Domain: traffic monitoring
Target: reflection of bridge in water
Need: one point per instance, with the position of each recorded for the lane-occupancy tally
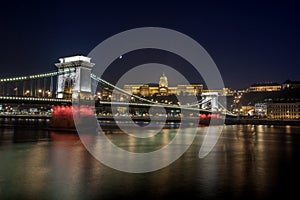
(73, 81)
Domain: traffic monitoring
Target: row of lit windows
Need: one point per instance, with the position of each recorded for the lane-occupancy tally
(284, 110)
(276, 114)
(290, 106)
(286, 117)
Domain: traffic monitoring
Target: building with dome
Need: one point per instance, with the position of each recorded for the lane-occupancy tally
(163, 81)
(163, 85)
(163, 88)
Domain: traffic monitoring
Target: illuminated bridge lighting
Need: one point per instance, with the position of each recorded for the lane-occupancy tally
(36, 76)
(35, 99)
(174, 106)
(195, 106)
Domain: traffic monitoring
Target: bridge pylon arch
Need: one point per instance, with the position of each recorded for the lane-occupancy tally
(212, 99)
(74, 79)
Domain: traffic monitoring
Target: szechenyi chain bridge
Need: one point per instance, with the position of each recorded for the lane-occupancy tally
(73, 80)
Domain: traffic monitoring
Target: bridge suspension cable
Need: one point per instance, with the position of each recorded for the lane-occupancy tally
(226, 111)
(35, 82)
(96, 78)
(201, 102)
(35, 76)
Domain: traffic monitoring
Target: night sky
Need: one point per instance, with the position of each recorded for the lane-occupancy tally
(249, 42)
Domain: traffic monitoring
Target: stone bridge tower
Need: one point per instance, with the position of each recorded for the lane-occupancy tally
(74, 80)
(211, 101)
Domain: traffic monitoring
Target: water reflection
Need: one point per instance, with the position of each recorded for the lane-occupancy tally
(248, 162)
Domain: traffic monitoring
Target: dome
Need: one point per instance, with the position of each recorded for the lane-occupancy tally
(163, 81)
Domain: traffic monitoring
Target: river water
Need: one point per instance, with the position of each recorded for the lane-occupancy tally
(248, 162)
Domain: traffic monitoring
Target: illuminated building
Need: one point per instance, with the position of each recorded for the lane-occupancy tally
(284, 110)
(260, 109)
(163, 89)
(221, 92)
(163, 85)
(264, 87)
(291, 84)
(247, 110)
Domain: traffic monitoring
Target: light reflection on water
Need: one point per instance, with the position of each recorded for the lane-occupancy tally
(248, 162)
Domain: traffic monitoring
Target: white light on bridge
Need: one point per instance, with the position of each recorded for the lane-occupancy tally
(74, 58)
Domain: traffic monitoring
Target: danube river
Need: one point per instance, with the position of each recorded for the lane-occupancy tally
(248, 162)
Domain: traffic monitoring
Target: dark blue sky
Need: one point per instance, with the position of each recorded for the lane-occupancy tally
(250, 42)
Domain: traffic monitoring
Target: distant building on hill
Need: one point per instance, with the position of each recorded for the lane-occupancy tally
(288, 84)
(163, 88)
(264, 87)
(282, 100)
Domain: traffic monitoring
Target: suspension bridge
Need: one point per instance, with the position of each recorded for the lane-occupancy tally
(73, 81)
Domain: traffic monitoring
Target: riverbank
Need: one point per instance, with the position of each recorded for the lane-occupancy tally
(32, 121)
(25, 116)
(281, 122)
